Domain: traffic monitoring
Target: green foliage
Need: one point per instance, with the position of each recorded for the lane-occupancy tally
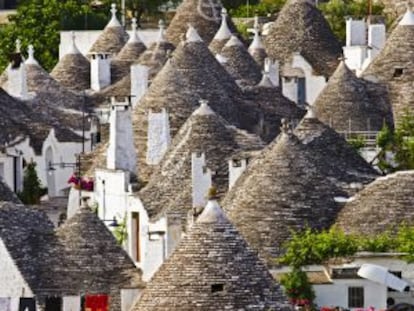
(400, 143)
(357, 142)
(263, 8)
(32, 190)
(336, 11)
(297, 287)
(120, 232)
(313, 247)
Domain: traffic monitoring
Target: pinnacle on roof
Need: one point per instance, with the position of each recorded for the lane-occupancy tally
(192, 35)
(204, 15)
(203, 132)
(132, 50)
(224, 32)
(256, 48)
(113, 37)
(222, 35)
(213, 268)
(351, 103)
(31, 59)
(134, 37)
(311, 37)
(73, 48)
(234, 41)
(383, 205)
(161, 33)
(408, 18)
(266, 82)
(114, 22)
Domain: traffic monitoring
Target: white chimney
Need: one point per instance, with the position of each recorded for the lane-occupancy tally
(356, 32)
(121, 153)
(376, 39)
(139, 82)
(100, 70)
(16, 84)
(159, 136)
(201, 179)
(272, 68)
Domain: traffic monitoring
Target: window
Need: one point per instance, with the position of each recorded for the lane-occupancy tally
(398, 72)
(397, 274)
(217, 288)
(355, 297)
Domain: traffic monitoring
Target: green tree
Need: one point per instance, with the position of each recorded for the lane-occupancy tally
(261, 8)
(399, 143)
(297, 287)
(32, 190)
(336, 12)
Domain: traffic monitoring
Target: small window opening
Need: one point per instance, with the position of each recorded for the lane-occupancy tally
(217, 288)
(398, 72)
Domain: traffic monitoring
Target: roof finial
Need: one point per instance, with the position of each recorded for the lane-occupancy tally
(234, 41)
(161, 35)
(134, 36)
(31, 60)
(114, 22)
(311, 112)
(266, 82)
(204, 108)
(224, 32)
(285, 128)
(18, 45)
(73, 49)
(192, 35)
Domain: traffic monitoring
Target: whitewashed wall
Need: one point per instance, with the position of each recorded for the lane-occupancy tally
(314, 84)
(85, 39)
(12, 283)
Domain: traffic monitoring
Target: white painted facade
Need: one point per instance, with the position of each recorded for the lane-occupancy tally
(11, 168)
(85, 39)
(159, 137)
(314, 84)
(55, 153)
(272, 68)
(12, 283)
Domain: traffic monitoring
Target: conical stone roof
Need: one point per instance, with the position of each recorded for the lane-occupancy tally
(301, 27)
(333, 156)
(73, 70)
(397, 53)
(203, 15)
(134, 47)
(239, 63)
(273, 106)
(113, 37)
(383, 205)
(204, 132)
(281, 190)
(190, 75)
(97, 263)
(213, 268)
(348, 103)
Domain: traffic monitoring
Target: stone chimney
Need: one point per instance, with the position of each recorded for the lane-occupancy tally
(201, 179)
(16, 74)
(121, 154)
(272, 68)
(159, 137)
(139, 82)
(100, 70)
